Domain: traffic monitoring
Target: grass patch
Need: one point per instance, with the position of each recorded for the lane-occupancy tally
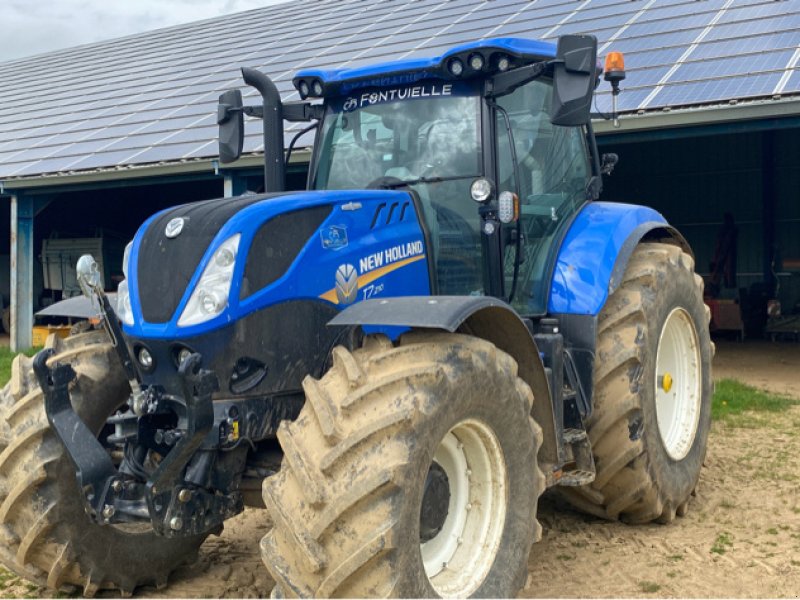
(675, 557)
(649, 587)
(565, 557)
(723, 542)
(6, 358)
(732, 399)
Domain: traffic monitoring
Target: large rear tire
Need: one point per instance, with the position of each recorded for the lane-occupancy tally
(652, 394)
(45, 533)
(347, 502)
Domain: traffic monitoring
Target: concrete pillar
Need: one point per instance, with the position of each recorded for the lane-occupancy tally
(22, 213)
(234, 185)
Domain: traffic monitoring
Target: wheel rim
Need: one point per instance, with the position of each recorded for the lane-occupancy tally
(678, 377)
(458, 559)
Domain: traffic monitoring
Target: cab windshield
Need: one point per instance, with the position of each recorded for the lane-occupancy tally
(423, 136)
(425, 130)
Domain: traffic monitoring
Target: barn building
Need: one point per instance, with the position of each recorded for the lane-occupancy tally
(96, 138)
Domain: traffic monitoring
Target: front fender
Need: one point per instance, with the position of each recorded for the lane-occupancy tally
(595, 252)
(481, 316)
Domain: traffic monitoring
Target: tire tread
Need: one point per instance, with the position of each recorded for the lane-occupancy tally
(354, 469)
(624, 488)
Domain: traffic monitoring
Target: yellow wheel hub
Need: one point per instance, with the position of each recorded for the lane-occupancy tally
(665, 382)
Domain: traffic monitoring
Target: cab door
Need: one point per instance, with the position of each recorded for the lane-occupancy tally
(551, 177)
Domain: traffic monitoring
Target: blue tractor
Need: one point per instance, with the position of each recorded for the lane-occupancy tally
(396, 363)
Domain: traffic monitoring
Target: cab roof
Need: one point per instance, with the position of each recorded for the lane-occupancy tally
(517, 51)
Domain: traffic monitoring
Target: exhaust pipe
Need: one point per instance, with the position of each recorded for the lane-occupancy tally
(272, 119)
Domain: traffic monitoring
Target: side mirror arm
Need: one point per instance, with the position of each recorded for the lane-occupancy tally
(505, 83)
(302, 111)
(225, 112)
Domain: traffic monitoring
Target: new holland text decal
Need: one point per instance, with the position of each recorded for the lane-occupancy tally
(371, 267)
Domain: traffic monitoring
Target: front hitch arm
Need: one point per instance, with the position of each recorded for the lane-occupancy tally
(174, 506)
(94, 469)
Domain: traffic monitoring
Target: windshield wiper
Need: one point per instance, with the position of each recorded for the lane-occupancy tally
(392, 183)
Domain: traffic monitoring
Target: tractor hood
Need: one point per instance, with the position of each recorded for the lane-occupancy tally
(198, 267)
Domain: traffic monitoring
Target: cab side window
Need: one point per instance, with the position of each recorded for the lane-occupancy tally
(553, 170)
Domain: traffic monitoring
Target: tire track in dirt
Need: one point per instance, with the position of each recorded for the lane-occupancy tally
(228, 566)
(741, 537)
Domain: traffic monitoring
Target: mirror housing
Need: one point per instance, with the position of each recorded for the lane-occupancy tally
(574, 78)
(230, 118)
(88, 274)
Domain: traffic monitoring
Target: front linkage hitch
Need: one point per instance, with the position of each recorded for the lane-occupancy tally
(174, 507)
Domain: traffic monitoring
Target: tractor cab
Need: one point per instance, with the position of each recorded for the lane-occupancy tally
(491, 139)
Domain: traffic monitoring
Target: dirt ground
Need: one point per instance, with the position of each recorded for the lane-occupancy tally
(741, 537)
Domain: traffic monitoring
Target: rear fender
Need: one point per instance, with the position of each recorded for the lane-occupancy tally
(591, 265)
(485, 317)
(592, 259)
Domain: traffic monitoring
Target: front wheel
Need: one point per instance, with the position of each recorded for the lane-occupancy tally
(652, 395)
(410, 472)
(46, 535)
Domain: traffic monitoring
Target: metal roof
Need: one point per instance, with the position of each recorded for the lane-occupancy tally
(150, 99)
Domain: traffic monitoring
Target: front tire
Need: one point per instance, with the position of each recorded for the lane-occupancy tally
(46, 535)
(347, 502)
(652, 395)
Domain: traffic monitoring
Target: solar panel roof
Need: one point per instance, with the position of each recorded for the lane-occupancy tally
(151, 98)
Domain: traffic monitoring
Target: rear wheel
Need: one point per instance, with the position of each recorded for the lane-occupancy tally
(46, 535)
(652, 406)
(410, 472)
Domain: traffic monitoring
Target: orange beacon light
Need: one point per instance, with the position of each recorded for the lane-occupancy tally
(614, 72)
(615, 67)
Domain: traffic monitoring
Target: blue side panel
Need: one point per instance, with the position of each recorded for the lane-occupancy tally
(374, 250)
(588, 254)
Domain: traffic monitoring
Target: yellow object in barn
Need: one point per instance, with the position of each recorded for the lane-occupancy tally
(41, 332)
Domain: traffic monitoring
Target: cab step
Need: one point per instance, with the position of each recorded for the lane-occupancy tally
(583, 470)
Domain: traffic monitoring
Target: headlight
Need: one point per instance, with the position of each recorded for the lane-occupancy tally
(481, 190)
(126, 256)
(124, 311)
(210, 296)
